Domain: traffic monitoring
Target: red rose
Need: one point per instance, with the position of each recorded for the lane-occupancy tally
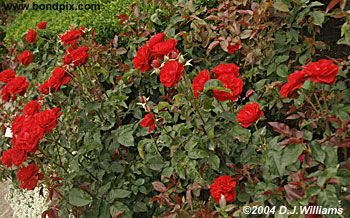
(31, 36)
(164, 48)
(28, 138)
(7, 75)
(6, 158)
(148, 121)
(16, 86)
(223, 187)
(142, 59)
(171, 73)
(25, 58)
(322, 71)
(295, 81)
(231, 82)
(48, 119)
(156, 39)
(58, 78)
(232, 48)
(249, 114)
(71, 37)
(29, 176)
(32, 108)
(80, 56)
(199, 82)
(67, 59)
(20, 121)
(226, 69)
(42, 25)
(13, 156)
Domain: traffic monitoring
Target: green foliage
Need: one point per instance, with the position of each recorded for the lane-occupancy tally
(104, 21)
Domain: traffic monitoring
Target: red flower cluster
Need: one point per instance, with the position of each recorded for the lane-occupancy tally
(72, 36)
(227, 74)
(31, 36)
(223, 187)
(77, 57)
(58, 78)
(323, 71)
(152, 54)
(249, 114)
(26, 57)
(148, 121)
(154, 51)
(29, 176)
(27, 130)
(14, 85)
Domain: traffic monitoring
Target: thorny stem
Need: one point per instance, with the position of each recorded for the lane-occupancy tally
(45, 155)
(262, 141)
(310, 102)
(168, 133)
(222, 106)
(190, 93)
(318, 102)
(156, 146)
(324, 98)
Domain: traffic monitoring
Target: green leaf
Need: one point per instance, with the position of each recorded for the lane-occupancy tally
(282, 70)
(124, 135)
(318, 18)
(214, 162)
(281, 59)
(290, 154)
(281, 6)
(214, 84)
(307, 135)
(328, 198)
(140, 207)
(278, 165)
(78, 198)
(119, 193)
(156, 164)
(103, 189)
(317, 152)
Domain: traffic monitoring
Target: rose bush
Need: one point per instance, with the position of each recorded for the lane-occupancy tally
(195, 112)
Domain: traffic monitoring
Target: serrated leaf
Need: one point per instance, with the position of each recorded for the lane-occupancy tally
(125, 135)
(78, 198)
(214, 84)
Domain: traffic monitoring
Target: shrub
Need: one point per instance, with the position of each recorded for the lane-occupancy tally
(104, 21)
(223, 108)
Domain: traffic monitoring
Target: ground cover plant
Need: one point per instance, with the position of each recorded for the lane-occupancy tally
(194, 112)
